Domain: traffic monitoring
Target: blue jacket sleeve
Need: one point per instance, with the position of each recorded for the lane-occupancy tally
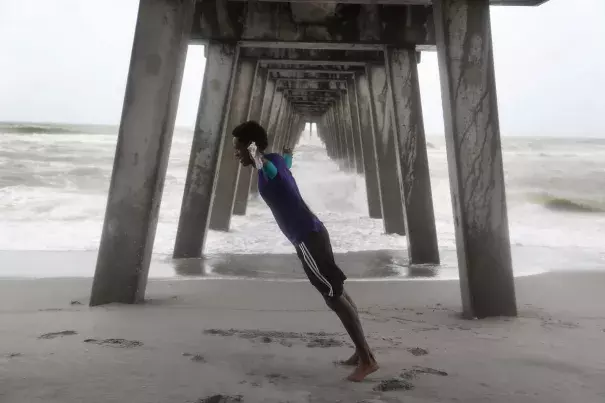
(288, 159)
(270, 169)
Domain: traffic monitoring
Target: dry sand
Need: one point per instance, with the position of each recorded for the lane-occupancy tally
(261, 341)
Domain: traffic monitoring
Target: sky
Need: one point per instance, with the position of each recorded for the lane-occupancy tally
(67, 61)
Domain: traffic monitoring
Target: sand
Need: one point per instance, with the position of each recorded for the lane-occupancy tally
(220, 341)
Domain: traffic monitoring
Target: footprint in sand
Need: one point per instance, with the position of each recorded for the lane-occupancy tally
(195, 357)
(324, 343)
(392, 384)
(221, 399)
(411, 373)
(14, 355)
(54, 335)
(417, 351)
(275, 378)
(119, 343)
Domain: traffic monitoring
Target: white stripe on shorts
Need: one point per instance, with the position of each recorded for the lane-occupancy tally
(313, 266)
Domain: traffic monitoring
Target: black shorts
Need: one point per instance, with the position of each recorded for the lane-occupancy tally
(315, 254)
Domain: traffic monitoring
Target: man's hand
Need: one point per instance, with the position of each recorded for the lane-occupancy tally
(255, 156)
(286, 150)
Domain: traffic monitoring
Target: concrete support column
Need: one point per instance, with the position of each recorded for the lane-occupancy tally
(208, 141)
(254, 113)
(290, 128)
(322, 133)
(416, 182)
(300, 126)
(276, 109)
(387, 151)
(282, 134)
(368, 143)
(229, 167)
(148, 114)
(355, 129)
(341, 153)
(264, 122)
(292, 131)
(267, 103)
(328, 137)
(342, 130)
(347, 126)
(334, 135)
(472, 132)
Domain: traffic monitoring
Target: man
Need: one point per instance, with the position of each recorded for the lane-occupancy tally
(307, 233)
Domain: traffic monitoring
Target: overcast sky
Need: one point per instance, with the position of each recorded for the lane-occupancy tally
(67, 61)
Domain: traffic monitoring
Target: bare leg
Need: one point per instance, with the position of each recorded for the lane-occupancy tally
(350, 320)
(354, 359)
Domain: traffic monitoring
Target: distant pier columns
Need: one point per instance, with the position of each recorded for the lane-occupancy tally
(465, 54)
(347, 126)
(416, 182)
(148, 114)
(229, 166)
(355, 128)
(368, 143)
(387, 151)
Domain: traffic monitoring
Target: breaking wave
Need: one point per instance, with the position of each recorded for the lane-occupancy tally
(570, 205)
(54, 128)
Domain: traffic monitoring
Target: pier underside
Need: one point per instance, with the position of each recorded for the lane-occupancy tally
(349, 68)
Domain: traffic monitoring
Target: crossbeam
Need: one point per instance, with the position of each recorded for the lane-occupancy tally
(335, 26)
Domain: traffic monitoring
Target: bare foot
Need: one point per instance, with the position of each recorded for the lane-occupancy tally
(351, 362)
(362, 371)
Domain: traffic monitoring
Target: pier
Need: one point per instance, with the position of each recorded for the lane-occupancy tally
(349, 68)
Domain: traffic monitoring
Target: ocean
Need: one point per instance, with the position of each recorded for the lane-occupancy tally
(54, 181)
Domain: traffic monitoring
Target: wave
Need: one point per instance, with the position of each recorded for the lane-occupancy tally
(564, 204)
(54, 128)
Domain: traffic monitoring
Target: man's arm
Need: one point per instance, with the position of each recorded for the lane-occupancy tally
(269, 168)
(287, 157)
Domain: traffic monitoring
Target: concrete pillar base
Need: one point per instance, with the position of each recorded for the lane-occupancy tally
(208, 139)
(148, 115)
(472, 132)
(416, 181)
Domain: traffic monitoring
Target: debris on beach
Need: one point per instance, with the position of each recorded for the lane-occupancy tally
(119, 343)
(392, 384)
(54, 335)
(195, 357)
(75, 302)
(411, 373)
(417, 351)
(312, 339)
(324, 343)
(275, 378)
(222, 399)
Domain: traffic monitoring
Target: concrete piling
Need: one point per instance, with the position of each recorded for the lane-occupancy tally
(368, 143)
(356, 80)
(148, 114)
(208, 142)
(416, 182)
(229, 167)
(355, 125)
(387, 151)
(254, 113)
(472, 133)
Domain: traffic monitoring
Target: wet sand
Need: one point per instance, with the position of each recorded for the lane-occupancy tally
(212, 341)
